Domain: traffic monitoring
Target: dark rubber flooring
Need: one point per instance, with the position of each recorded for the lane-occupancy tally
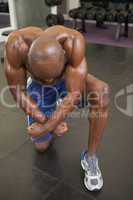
(56, 175)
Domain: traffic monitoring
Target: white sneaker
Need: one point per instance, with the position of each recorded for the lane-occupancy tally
(93, 177)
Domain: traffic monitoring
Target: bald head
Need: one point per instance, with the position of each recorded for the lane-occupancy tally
(46, 58)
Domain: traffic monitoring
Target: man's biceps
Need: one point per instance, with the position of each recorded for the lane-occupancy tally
(79, 63)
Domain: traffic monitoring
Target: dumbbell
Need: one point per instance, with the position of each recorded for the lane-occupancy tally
(86, 4)
(53, 19)
(78, 13)
(98, 4)
(121, 16)
(91, 13)
(100, 15)
(111, 15)
(73, 13)
(81, 14)
(53, 2)
(130, 13)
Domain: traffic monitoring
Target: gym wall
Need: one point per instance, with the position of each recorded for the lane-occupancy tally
(30, 12)
(72, 4)
(68, 5)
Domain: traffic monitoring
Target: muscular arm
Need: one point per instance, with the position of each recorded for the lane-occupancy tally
(75, 75)
(16, 77)
(75, 79)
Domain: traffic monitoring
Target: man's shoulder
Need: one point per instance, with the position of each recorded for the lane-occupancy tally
(20, 33)
(12, 38)
(59, 29)
(13, 47)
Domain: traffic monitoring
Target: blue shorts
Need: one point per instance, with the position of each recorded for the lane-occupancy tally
(46, 98)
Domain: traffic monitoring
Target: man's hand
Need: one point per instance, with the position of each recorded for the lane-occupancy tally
(61, 129)
(36, 129)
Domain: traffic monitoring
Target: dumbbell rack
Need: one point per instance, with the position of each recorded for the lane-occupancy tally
(105, 6)
(84, 7)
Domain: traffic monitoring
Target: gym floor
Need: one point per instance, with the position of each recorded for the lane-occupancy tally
(56, 175)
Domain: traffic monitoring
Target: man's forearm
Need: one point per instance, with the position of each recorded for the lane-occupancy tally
(27, 104)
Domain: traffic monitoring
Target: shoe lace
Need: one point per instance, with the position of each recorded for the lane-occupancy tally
(93, 166)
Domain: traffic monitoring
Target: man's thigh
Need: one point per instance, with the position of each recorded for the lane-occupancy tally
(93, 83)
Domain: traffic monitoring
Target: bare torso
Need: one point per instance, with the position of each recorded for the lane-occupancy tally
(17, 65)
(22, 40)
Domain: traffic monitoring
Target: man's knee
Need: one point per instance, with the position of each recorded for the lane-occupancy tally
(42, 147)
(99, 94)
(36, 129)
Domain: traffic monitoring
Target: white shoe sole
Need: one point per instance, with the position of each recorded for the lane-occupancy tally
(92, 189)
(85, 183)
